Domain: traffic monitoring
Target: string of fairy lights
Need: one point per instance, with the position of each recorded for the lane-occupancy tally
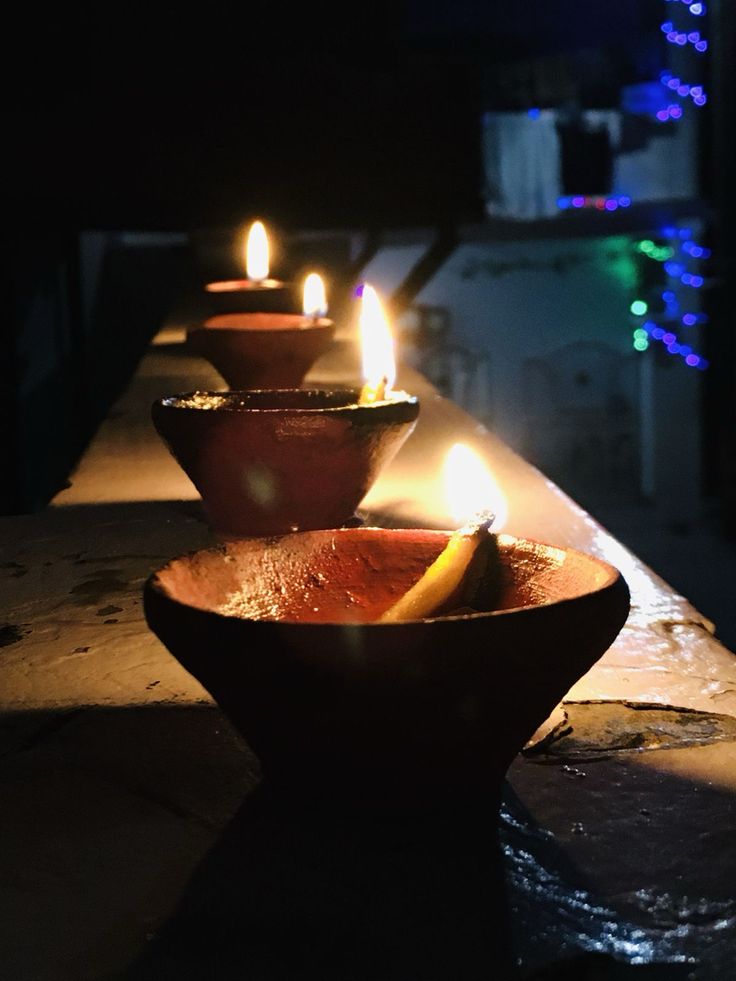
(677, 88)
(675, 249)
(600, 202)
(678, 253)
(671, 324)
(666, 317)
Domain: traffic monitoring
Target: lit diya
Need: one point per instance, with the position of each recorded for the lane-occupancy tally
(279, 460)
(387, 666)
(259, 291)
(267, 350)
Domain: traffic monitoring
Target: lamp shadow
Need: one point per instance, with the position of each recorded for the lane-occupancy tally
(296, 889)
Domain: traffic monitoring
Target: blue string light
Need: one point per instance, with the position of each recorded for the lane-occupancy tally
(670, 342)
(650, 330)
(672, 111)
(695, 250)
(698, 9)
(681, 38)
(688, 279)
(669, 231)
(674, 269)
(599, 202)
(691, 319)
(684, 90)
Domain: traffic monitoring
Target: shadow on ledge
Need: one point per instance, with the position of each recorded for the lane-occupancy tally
(293, 891)
(106, 812)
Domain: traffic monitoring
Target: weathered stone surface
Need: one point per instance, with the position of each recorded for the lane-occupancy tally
(118, 775)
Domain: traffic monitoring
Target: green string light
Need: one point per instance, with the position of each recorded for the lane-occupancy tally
(640, 339)
(660, 253)
(639, 308)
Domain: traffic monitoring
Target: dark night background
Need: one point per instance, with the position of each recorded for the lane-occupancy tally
(178, 118)
(157, 117)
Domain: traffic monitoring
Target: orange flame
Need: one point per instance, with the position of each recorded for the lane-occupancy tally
(377, 344)
(256, 252)
(470, 487)
(315, 302)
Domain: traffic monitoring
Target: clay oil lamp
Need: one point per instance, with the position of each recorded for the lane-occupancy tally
(266, 350)
(388, 667)
(258, 291)
(267, 462)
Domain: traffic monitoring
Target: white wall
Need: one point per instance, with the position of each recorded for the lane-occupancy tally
(511, 301)
(516, 300)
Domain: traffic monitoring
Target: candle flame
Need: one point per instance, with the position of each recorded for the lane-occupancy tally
(470, 487)
(377, 344)
(256, 252)
(315, 303)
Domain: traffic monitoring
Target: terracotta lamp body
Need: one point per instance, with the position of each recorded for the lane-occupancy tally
(282, 633)
(262, 350)
(276, 461)
(251, 296)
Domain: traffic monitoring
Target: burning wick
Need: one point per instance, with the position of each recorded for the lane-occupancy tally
(373, 393)
(465, 577)
(456, 576)
(377, 347)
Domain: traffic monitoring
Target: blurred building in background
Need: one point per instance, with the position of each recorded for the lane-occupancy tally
(541, 192)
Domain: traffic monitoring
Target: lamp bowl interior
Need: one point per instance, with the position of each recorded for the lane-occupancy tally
(282, 632)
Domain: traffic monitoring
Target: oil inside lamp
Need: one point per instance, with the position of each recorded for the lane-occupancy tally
(377, 349)
(465, 576)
